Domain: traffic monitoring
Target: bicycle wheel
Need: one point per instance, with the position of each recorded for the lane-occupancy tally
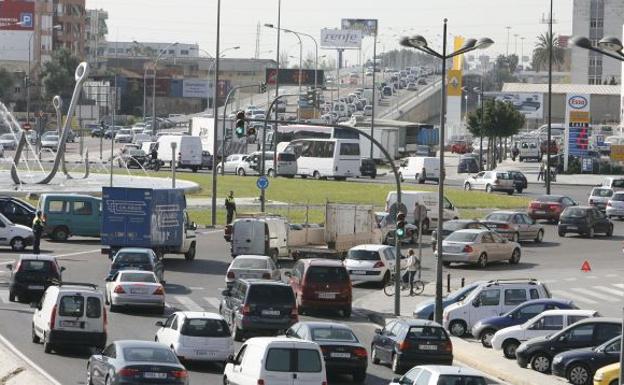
(389, 288)
(419, 287)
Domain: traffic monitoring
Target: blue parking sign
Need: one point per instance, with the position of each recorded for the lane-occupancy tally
(26, 20)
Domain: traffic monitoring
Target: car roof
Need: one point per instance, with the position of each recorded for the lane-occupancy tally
(251, 256)
(68, 195)
(135, 250)
(78, 288)
(320, 324)
(547, 300)
(265, 341)
(601, 320)
(369, 247)
(510, 212)
(323, 262)
(417, 322)
(449, 370)
(569, 312)
(138, 344)
(147, 272)
(37, 257)
(257, 281)
(199, 314)
(473, 231)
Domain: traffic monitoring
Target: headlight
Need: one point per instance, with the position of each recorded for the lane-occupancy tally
(598, 376)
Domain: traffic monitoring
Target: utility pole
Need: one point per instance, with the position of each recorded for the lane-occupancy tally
(507, 50)
(216, 118)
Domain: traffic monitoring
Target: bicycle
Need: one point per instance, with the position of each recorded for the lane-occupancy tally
(389, 287)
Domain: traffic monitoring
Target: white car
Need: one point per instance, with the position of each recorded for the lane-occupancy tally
(543, 324)
(599, 197)
(124, 136)
(15, 235)
(615, 205)
(490, 181)
(9, 141)
(232, 164)
(135, 288)
(479, 246)
(50, 141)
(371, 263)
(252, 266)
(441, 374)
(196, 336)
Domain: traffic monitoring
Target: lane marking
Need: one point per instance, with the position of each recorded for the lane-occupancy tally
(213, 301)
(591, 293)
(79, 253)
(570, 279)
(611, 275)
(4, 296)
(620, 285)
(610, 290)
(565, 294)
(28, 361)
(188, 303)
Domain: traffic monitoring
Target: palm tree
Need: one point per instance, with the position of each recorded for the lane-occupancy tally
(540, 53)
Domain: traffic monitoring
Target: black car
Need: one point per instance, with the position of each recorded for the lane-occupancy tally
(409, 342)
(451, 226)
(539, 351)
(17, 211)
(137, 259)
(342, 351)
(519, 180)
(206, 161)
(468, 164)
(136, 362)
(31, 275)
(368, 168)
(579, 365)
(255, 307)
(584, 220)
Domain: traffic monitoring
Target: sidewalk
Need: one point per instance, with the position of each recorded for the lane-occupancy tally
(15, 370)
(379, 307)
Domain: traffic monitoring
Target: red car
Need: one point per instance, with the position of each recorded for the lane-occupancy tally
(554, 148)
(549, 207)
(460, 148)
(322, 284)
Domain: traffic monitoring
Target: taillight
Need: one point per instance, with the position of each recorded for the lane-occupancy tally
(448, 346)
(504, 226)
(53, 317)
(266, 276)
(228, 230)
(404, 345)
(159, 291)
(119, 290)
(231, 275)
(246, 310)
(534, 205)
(378, 264)
(260, 382)
(360, 352)
(294, 313)
(554, 207)
(127, 372)
(179, 374)
(467, 249)
(105, 318)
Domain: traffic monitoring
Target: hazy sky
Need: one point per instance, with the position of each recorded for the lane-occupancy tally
(194, 21)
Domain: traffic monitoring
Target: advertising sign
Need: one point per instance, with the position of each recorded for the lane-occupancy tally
(341, 38)
(367, 26)
(14, 12)
(223, 87)
(617, 152)
(578, 130)
(531, 105)
(195, 88)
(290, 77)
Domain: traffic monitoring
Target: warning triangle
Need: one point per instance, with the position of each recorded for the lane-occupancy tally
(585, 267)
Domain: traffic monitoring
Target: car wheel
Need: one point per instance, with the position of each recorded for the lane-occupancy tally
(482, 261)
(47, 346)
(346, 312)
(509, 348)
(34, 337)
(510, 192)
(316, 175)
(457, 328)
(561, 233)
(17, 244)
(610, 231)
(614, 382)
(540, 363)
(467, 187)
(396, 367)
(11, 296)
(241, 172)
(578, 374)
(515, 237)
(486, 337)
(539, 237)
(89, 379)
(519, 190)
(190, 254)
(60, 233)
(374, 358)
(515, 257)
(488, 189)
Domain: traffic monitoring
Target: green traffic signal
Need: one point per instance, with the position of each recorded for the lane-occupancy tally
(400, 233)
(240, 124)
(240, 132)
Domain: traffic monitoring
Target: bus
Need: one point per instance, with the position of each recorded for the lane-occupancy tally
(326, 158)
(288, 133)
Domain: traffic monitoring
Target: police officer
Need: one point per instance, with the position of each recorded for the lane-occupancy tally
(37, 228)
(230, 207)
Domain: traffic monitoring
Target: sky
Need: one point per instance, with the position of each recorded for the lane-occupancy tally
(194, 21)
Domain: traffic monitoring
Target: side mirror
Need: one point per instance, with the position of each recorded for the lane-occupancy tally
(288, 274)
(563, 338)
(9, 266)
(396, 380)
(193, 225)
(476, 302)
(108, 279)
(230, 359)
(377, 331)
(159, 323)
(63, 269)
(225, 293)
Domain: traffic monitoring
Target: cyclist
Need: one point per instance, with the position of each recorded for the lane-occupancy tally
(412, 268)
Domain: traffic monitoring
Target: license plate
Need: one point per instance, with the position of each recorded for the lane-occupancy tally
(427, 347)
(71, 324)
(35, 287)
(326, 295)
(270, 312)
(205, 353)
(154, 375)
(340, 355)
(540, 212)
(358, 272)
(571, 227)
(137, 291)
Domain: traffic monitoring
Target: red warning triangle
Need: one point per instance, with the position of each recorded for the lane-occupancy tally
(585, 267)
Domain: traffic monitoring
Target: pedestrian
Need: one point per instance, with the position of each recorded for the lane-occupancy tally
(37, 228)
(230, 207)
(541, 172)
(412, 268)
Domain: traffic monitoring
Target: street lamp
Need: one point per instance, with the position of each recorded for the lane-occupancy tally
(419, 43)
(162, 52)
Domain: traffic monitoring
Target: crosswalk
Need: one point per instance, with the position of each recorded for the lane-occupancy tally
(601, 294)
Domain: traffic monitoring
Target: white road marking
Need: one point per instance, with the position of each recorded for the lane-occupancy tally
(28, 361)
(188, 303)
(565, 294)
(611, 275)
(4, 296)
(570, 279)
(620, 285)
(213, 301)
(591, 277)
(548, 280)
(79, 253)
(610, 290)
(196, 288)
(592, 293)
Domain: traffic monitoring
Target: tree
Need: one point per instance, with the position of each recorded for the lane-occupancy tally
(541, 52)
(58, 75)
(309, 61)
(283, 59)
(6, 84)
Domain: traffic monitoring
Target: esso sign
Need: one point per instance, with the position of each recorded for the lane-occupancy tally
(577, 102)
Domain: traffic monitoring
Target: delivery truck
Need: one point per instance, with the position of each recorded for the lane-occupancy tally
(151, 218)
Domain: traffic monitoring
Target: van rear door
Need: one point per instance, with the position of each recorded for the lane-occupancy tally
(249, 236)
(278, 364)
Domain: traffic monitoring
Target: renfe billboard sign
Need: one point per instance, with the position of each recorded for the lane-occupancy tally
(341, 39)
(290, 77)
(13, 12)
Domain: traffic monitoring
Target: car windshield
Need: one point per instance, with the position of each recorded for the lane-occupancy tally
(454, 225)
(274, 294)
(461, 293)
(363, 255)
(332, 274)
(50, 137)
(34, 266)
(602, 192)
(451, 379)
(499, 217)
(132, 258)
(205, 327)
(137, 277)
(459, 236)
(333, 334)
(619, 183)
(426, 333)
(575, 212)
(249, 263)
(149, 354)
(618, 197)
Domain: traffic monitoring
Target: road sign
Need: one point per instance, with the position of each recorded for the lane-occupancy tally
(585, 267)
(262, 182)
(26, 126)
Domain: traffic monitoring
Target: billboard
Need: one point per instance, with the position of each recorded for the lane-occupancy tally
(223, 87)
(531, 105)
(368, 27)
(16, 11)
(577, 124)
(195, 88)
(290, 77)
(341, 38)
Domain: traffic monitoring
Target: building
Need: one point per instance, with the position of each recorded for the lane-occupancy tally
(95, 33)
(596, 19)
(70, 16)
(123, 49)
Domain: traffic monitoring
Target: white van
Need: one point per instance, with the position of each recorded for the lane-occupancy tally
(276, 361)
(71, 314)
(188, 150)
(266, 235)
(491, 299)
(543, 324)
(429, 199)
(420, 168)
(529, 149)
(614, 183)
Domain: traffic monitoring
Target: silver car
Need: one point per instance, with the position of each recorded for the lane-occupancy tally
(135, 288)
(479, 247)
(50, 141)
(252, 266)
(490, 181)
(515, 226)
(615, 205)
(599, 197)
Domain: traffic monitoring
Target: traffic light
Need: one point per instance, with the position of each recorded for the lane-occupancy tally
(400, 225)
(311, 96)
(263, 88)
(240, 124)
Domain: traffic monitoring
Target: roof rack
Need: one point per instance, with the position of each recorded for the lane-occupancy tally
(510, 280)
(91, 285)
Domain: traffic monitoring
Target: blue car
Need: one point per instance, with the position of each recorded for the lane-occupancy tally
(426, 309)
(485, 329)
